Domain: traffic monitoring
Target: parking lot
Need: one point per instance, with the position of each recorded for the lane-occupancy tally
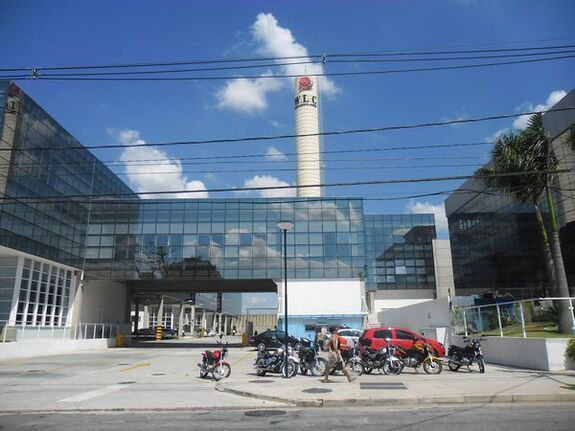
(165, 376)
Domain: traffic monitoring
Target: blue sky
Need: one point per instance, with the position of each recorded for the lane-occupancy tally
(100, 113)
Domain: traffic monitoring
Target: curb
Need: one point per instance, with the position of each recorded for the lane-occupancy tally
(367, 402)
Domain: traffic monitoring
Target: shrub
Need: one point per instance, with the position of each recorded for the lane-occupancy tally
(570, 351)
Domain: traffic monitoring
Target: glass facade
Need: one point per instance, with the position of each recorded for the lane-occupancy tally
(225, 238)
(495, 243)
(399, 251)
(53, 229)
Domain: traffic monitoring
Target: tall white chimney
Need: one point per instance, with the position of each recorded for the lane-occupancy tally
(307, 147)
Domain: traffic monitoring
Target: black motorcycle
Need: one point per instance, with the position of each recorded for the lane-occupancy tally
(466, 356)
(372, 359)
(274, 362)
(309, 359)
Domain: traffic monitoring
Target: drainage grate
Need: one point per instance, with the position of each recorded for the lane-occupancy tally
(261, 381)
(265, 413)
(158, 374)
(36, 371)
(382, 386)
(317, 391)
(127, 383)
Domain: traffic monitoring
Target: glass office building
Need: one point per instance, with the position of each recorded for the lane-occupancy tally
(58, 223)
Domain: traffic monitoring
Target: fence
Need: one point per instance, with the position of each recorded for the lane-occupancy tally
(81, 331)
(527, 318)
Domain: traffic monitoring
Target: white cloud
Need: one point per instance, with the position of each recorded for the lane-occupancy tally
(269, 181)
(247, 95)
(274, 154)
(163, 174)
(250, 95)
(498, 134)
(520, 123)
(429, 208)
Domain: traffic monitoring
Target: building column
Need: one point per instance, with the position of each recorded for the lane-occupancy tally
(226, 325)
(181, 320)
(160, 319)
(204, 322)
(136, 315)
(192, 320)
(214, 322)
(146, 317)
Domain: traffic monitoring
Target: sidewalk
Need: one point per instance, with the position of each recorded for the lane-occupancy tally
(498, 384)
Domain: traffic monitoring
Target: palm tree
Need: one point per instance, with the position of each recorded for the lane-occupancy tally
(527, 154)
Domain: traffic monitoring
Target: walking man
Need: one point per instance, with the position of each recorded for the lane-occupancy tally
(334, 356)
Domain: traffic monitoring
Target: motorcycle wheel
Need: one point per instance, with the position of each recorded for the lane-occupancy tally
(392, 368)
(222, 371)
(453, 366)
(481, 364)
(355, 368)
(303, 370)
(432, 367)
(318, 367)
(291, 369)
(260, 363)
(367, 370)
(203, 373)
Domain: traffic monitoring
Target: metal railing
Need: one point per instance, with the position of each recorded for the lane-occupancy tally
(537, 317)
(80, 331)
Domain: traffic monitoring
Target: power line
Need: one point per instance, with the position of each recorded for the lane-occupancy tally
(288, 187)
(285, 76)
(319, 57)
(291, 136)
(341, 60)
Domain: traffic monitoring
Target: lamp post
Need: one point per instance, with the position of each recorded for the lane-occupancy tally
(285, 226)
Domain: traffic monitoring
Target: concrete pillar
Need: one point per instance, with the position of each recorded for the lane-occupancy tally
(204, 322)
(226, 332)
(146, 317)
(160, 319)
(181, 320)
(136, 315)
(192, 320)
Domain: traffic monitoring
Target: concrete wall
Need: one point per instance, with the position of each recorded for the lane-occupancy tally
(29, 349)
(430, 318)
(546, 354)
(323, 297)
(443, 268)
(102, 302)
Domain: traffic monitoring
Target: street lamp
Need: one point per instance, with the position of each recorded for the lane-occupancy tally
(285, 226)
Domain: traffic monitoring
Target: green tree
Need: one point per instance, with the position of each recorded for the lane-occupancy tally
(527, 155)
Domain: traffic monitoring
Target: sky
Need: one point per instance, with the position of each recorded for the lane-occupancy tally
(57, 32)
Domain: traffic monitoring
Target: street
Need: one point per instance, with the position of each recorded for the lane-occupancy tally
(522, 417)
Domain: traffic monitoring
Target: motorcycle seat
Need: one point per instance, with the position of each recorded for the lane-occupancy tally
(457, 349)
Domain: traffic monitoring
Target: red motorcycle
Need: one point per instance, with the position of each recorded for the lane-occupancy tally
(214, 363)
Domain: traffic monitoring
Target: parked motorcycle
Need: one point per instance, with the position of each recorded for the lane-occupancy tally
(214, 363)
(274, 362)
(353, 362)
(309, 359)
(466, 356)
(372, 359)
(421, 354)
(392, 365)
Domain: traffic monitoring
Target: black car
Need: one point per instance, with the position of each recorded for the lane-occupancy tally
(274, 339)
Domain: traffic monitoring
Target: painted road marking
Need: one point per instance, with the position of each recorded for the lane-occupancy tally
(241, 359)
(133, 367)
(92, 394)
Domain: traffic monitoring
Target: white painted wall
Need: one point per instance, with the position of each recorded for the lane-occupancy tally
(323, 297)
(546, 354)
(30, 349)
(102, 302)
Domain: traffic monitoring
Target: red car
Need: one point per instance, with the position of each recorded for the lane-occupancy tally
(402, 337)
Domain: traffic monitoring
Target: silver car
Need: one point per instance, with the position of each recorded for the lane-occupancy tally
(351, 336)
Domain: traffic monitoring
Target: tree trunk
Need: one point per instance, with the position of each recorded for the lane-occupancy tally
(566, 324)
(547, 254)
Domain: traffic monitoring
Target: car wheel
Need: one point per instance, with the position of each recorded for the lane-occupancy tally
(261, 347)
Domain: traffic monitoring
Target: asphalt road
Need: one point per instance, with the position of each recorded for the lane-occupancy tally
(522, 417)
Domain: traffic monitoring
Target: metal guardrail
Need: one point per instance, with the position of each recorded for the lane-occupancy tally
(81, 331)
(514, 318)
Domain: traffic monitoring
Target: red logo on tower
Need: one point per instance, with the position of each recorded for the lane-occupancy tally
(305, 84)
